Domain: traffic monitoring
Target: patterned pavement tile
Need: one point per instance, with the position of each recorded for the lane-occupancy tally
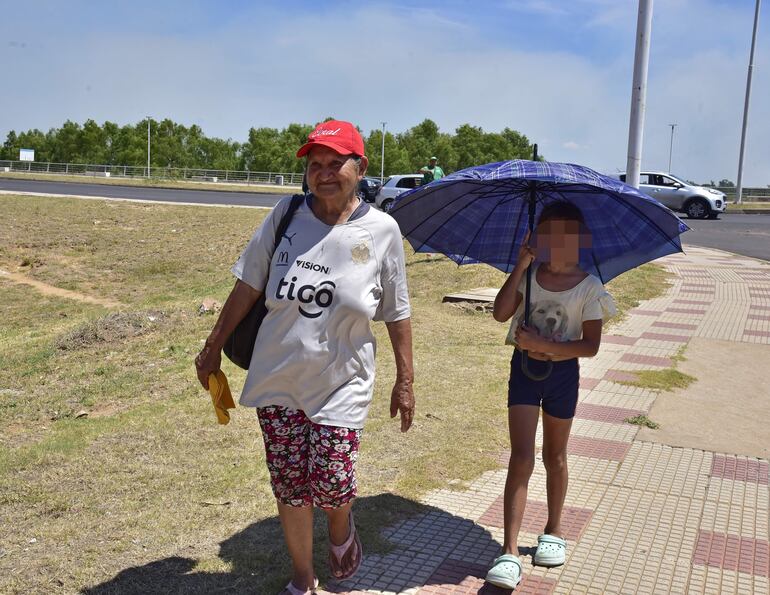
(455, 577)
(618, 340)
(666, 337)
(647, 360)
(740, 468)
(634, 402)
(693, 302)
(589, 383)
(597, 449)
(712, 580)
(651, 467)
(675, 325)
(639, 312)
(620, 376)
(736, 517)
(692, 311)
(604, 413)
(636, 542)
(603, 431)
(732, 552)
(574, 518)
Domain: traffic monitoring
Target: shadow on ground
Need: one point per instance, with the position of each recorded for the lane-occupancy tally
(256, 568)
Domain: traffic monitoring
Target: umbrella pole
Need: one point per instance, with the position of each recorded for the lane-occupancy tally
(528, 289)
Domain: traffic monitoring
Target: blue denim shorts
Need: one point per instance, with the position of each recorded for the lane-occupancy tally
(557, 394)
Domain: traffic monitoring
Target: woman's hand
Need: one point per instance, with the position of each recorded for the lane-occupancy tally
(402, 400)
(529, 340)
(207, 362)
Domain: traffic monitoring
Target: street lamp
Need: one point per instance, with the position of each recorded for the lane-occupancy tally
(671, 146)
(739, 183)
(382, 154)
(148, 146)
(639, 92)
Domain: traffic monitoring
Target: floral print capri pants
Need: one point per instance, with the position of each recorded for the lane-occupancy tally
(309, 464)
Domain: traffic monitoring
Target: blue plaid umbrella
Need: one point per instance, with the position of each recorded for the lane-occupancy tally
(482, 215)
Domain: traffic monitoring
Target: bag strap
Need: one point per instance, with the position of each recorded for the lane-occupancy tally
(296, 200)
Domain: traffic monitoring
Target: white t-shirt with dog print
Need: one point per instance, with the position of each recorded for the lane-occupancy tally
(559, 315)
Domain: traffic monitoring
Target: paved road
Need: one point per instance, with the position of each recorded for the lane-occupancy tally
(142, 193)
(742, 234)
(748, 235)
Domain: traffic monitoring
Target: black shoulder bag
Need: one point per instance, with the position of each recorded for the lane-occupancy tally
(240, 344)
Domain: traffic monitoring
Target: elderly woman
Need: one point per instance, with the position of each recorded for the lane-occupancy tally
(339, 265)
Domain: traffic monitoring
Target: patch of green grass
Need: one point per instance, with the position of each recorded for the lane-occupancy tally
(663, 380)
(749, 206)
(642, 420)
(632, 288)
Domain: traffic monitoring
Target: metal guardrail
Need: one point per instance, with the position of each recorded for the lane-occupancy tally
(157, 173)
(748, 195)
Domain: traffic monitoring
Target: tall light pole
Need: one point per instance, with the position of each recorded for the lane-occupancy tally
(739, 182)
(639, 93)
(148, 146)
(671, 146)
(382, 154)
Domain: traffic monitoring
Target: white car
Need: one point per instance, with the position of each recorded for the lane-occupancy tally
(699, 202)
(393, 186)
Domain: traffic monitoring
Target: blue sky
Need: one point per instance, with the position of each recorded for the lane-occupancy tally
(558, 71)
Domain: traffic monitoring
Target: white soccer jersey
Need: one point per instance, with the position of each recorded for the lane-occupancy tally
(315, 349)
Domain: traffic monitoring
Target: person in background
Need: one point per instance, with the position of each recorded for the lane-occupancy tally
(431, 172)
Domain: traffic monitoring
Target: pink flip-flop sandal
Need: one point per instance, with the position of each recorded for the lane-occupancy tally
(338, 552)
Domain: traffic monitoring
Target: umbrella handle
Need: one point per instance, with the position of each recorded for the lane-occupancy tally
(527, 301)
(531, 375)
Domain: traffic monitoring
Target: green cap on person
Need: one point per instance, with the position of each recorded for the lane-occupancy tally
(434, 158)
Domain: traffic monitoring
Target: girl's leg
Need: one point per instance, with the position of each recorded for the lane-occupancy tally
(297, 523)
(555, 436)
(522, 426)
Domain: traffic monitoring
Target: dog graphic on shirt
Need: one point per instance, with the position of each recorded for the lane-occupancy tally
(550, 319)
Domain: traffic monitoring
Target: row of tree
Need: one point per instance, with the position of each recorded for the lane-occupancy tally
(266, 149)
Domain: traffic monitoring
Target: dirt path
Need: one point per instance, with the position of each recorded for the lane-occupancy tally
(46, 289)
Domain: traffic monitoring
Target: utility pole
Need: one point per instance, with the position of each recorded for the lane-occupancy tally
(148, 146)
(671, 146)
(639, 93)
(739, 182)
(382, 154)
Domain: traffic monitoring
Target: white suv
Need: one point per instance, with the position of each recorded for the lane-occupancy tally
(393, 186)
(699, 202)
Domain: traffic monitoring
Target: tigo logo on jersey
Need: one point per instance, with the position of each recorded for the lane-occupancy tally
(321, 296)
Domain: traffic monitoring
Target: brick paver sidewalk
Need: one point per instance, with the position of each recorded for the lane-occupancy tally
(641, 517)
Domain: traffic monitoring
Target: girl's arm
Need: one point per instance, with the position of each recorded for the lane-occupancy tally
(588, 346)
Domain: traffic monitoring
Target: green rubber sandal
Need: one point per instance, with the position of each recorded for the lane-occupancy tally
(505, 572)
(551, 551)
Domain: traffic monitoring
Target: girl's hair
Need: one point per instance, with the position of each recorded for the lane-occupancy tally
(561, 211)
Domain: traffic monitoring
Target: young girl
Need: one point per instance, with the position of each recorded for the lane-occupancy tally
(568, 306)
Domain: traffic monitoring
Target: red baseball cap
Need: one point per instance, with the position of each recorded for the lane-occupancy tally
(337, 135)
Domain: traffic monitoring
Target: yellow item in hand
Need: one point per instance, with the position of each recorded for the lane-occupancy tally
(221, 396)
